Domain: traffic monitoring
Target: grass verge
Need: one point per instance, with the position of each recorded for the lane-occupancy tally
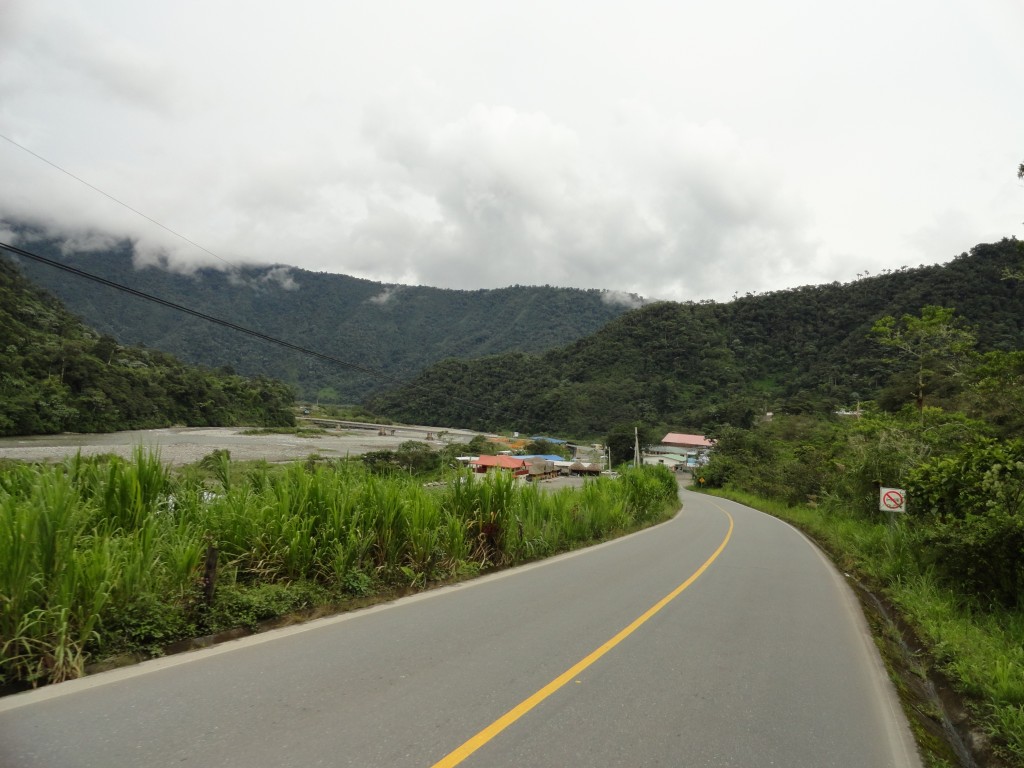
(113, 557)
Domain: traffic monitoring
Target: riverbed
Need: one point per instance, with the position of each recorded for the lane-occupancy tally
(187, 445)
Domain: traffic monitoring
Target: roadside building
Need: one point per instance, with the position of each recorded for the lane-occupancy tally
(674, 461)
(517, 465)
(676, 440)
(692, 448)
(540, 468)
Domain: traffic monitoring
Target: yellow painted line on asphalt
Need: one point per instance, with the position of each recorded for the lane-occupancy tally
(476, 742)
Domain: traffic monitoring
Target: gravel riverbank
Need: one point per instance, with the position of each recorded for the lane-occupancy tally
(187, 445)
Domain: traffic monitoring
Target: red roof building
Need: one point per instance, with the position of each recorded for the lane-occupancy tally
(517, 464)
(680, 440)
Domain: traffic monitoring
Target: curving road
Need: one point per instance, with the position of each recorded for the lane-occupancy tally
(760, 657)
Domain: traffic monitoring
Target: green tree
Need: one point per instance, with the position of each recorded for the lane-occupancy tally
(59, 375)
(545, 448)
(479, 444)
(621, 441)
(1015, 274)
(972, 503)
(930, 345)
(417, 457)
(996, 391)
(328, 395)
(709, 365)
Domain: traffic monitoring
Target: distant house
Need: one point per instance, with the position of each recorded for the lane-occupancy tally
(678, 450)
(680, 440)
(517, 465)
(673, 461)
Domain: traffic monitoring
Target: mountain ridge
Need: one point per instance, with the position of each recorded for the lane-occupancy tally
(397, 330)
(701, 365)
(59, 375)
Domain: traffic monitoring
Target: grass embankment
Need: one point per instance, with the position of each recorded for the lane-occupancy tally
(104, 557)
(980, 649)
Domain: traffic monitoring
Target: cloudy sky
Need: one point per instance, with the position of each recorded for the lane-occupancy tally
(679, 150)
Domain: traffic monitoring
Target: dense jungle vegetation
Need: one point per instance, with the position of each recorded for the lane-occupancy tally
(700, 366)
(397, 330)
(60, 376)
(107, 556)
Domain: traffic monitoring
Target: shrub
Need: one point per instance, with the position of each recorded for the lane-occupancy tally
(972, 504)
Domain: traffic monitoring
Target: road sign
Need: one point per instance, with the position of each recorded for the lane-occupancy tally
(892, 500)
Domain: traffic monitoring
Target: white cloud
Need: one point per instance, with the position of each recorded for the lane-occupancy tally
(385, 296)
(498, 196)
(621, 298)
(281, 277)
(87, 241)
(673, 152)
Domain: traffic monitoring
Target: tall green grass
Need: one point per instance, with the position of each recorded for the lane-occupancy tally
(99, 556)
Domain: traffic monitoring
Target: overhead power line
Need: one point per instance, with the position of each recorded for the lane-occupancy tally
(196, 313)
(375, 373)
(109, 196)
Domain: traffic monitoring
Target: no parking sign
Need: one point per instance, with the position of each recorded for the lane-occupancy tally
(892, 500)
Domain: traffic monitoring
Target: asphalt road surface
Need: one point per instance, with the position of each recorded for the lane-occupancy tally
(721, 638)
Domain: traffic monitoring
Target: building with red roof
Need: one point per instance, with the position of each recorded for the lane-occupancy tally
(680, 440)
(516, 464)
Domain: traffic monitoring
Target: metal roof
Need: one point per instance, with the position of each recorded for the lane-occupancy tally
(678, 438)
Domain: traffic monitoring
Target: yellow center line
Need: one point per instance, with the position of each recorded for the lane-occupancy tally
(473, 744)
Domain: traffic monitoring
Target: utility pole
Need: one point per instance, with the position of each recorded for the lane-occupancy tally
(636, 447)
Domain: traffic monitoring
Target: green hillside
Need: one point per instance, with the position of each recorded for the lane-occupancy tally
(398, 330)
(60, 376)
(700, 365)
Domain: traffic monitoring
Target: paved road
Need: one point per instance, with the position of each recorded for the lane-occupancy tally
(761, 658)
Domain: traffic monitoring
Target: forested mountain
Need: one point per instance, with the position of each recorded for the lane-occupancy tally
(60, 376)
(699, 365)
(398, 330)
